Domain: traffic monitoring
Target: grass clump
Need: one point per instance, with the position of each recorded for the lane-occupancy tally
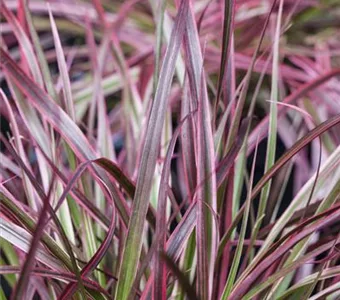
(170, 150)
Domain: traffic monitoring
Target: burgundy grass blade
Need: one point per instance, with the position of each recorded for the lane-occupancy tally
(127, 184)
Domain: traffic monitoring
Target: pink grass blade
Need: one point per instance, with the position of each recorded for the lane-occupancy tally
(188, 140)
(316, 132)
(206, 234)
(133, 244)
(288, 269)
(80, 198)
(63, 69)
(279, 225)
(46, 74)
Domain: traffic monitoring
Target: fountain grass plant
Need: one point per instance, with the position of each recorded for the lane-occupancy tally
(170, 149)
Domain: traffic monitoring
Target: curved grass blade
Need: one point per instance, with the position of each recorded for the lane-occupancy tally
(311, 135)
(111, 167)
(261, 130)
(277, 166)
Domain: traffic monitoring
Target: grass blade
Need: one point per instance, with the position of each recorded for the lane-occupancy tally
(21, 287)
(63, 69)
(206, 235)
(133, 244)
(239, 249)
